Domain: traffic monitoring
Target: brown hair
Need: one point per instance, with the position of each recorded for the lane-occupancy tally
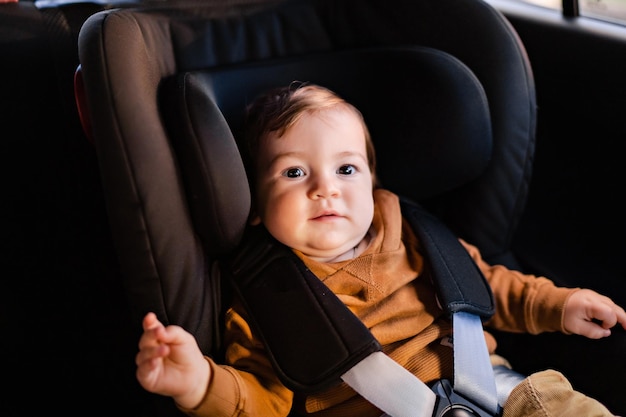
(280, 108)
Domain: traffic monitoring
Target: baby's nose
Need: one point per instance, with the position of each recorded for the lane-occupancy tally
(324, 186)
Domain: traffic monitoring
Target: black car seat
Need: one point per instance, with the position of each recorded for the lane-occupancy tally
(444, 85)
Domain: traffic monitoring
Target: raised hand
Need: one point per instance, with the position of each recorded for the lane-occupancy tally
(169, 362)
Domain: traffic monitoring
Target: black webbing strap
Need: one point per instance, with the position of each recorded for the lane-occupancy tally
(311, 337)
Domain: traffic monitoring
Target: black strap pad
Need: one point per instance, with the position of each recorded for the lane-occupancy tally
(311, 337)
(460, 284)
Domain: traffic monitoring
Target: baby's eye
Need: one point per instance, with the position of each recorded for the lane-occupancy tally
(346, 170)
(293, 173)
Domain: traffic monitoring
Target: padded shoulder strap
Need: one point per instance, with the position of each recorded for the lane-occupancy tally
(461, 286)
(311, 337)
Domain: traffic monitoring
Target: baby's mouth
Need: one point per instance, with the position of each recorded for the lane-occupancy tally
(326, 215)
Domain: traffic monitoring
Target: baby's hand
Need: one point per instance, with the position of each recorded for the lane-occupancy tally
(169, 362)
(590, 314)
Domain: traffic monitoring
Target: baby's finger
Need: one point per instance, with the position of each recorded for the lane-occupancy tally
(610, 314)
(148, 355)
(621, 315)
(593, 330)
(148, 370)
(151, 337)
(604, 315)
(150, 321)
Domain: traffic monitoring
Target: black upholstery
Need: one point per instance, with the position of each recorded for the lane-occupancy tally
(174, 187)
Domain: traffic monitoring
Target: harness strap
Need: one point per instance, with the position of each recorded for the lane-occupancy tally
(391, 387)
(473, 373)
(466, 295)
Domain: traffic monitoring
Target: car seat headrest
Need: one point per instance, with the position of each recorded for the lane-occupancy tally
(427, 113)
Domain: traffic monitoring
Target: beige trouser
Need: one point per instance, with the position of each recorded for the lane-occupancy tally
(549, 394)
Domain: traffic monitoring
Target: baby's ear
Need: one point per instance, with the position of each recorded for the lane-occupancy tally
(254, 219)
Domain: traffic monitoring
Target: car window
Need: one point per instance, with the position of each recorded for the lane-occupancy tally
(607, 10)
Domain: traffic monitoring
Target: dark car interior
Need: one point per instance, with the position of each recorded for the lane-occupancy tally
(125, 185)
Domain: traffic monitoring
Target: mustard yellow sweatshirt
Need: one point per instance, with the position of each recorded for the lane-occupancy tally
(388, 290)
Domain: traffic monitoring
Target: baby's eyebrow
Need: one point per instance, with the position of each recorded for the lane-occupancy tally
(300, 155)
(352, 153)
(290, 154)
(284, 155)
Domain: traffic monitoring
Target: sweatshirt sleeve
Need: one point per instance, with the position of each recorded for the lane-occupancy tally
(524, 303)
(247, 384)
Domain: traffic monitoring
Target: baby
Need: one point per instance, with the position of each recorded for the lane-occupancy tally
(312, 172)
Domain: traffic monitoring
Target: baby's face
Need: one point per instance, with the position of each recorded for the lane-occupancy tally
(314, 189)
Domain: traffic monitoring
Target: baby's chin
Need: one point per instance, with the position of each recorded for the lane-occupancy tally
(330, 256)
(335, 251)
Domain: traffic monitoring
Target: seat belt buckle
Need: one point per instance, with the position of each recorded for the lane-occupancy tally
(451, 404)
